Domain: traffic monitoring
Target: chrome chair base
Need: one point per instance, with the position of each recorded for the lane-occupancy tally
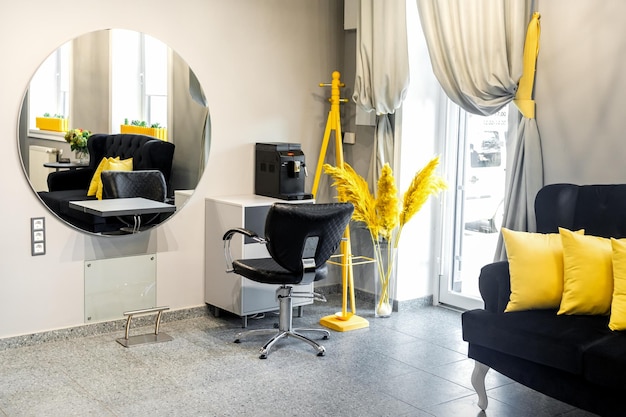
(285, 329)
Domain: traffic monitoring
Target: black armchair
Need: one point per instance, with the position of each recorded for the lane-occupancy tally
(147, 153)
(300, 238)
(65, 186)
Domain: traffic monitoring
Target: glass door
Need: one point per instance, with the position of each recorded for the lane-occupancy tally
(476, 152)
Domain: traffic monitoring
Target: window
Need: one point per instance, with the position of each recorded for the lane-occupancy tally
(477, 160)
(139, 74)
(49, 87)
(155, 76)
(139, 70)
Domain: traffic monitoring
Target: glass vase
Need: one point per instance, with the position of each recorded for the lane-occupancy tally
(385, 278)
(82, 156)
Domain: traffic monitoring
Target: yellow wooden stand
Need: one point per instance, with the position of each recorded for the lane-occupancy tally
(344, 320)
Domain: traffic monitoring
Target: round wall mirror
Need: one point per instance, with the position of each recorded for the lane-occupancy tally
(131, 96)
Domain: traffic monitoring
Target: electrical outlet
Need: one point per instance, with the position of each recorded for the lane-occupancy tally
(38, 236)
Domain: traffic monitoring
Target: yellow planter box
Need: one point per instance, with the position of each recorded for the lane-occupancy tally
(157, 132)
(51, 123)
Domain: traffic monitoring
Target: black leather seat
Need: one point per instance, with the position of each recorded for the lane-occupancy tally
(300, 238)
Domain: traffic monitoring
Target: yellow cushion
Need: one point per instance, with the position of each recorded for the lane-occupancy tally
(95, 180)
(587, 274)
(536, 269)
(115, 165)
(618, 304)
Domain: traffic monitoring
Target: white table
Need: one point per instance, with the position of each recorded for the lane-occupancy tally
(123, 207)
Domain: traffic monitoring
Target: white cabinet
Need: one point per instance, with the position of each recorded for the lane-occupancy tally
(232, 292)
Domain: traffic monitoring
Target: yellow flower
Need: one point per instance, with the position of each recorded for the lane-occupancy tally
(382, 214)
(351, 187)
(387, 203)
(424, 184)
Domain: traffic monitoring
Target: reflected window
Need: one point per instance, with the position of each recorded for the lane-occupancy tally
(140, 71)
(49, 89)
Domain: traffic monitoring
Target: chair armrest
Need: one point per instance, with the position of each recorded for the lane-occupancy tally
(227, 238)
(230, 233)
(78, 179)
(494, 284)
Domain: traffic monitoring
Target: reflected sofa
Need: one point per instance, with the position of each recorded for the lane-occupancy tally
(574, 358)
(64, 186)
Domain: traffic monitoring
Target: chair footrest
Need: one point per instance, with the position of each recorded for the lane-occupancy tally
(127, 341)
(319, 297)
(315, 296)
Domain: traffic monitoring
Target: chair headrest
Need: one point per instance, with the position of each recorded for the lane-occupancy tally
(288, 226)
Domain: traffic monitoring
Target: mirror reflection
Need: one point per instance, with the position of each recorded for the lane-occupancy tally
(113, 100)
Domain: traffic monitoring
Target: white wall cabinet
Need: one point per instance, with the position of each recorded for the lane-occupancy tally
(229, 291)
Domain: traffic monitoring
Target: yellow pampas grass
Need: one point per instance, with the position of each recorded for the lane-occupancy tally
(424, 184)
(382, 214)
(351, 187)
(387, 209)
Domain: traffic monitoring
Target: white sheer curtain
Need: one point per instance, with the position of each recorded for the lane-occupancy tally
(382, 71)
(477, 50)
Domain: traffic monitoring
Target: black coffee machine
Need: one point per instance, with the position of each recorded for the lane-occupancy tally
(280, 171)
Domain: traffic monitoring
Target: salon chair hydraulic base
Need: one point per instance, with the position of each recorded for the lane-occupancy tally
(285, 295)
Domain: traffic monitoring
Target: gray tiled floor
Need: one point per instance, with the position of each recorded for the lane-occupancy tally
(412, 364)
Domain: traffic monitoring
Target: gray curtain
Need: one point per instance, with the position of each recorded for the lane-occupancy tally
(526, 170)
(197, 95)
(526, 167)
(477, 50)
(382, 72)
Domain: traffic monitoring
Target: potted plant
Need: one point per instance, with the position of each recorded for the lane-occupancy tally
(77, 138)
(141, 127)
(56, 123)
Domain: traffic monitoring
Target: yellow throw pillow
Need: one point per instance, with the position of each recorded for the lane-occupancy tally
(587, 274)
(536, 269)
(618, 304)
(95, 180)
(115, 165)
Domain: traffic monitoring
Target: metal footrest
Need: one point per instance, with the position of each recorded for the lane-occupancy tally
(127, 341)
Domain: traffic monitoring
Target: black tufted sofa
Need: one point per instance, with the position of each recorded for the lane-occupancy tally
(65, 186)
(574, 358)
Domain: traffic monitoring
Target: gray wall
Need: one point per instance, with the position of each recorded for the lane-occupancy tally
(91, 82)
(580, 90)
(187, 123)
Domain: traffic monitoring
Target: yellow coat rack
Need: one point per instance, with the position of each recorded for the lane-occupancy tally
(344, 320)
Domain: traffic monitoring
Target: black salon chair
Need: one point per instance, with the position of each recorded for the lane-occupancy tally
(300, 238)
(149, 183)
